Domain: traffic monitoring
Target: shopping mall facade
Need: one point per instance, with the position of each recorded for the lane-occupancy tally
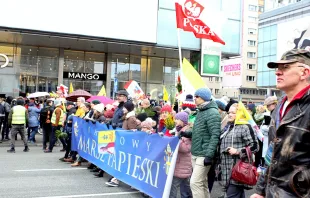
(94, 45)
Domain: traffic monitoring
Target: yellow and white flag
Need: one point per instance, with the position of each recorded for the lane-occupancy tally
(102, 91)
(71, 88)
(165, 94)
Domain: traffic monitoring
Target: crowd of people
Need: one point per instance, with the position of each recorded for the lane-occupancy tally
(210, 141)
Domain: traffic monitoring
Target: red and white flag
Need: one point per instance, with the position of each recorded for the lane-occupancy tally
(188, 14)
(134, 90)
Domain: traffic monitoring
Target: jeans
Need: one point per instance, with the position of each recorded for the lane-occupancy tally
(33, 131)
(2, 122)
(234, 191)
(199, 179)
(63, 142)
(53, 137)
(183, 183)
(5, 129)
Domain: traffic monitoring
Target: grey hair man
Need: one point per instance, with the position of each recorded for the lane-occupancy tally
(288, 155)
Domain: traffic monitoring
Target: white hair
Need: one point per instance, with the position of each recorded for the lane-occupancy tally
(81, 99)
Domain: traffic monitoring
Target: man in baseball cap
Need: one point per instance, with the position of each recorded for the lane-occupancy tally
(288, 156)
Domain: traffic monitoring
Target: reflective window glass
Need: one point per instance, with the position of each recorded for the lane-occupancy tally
(155, 70)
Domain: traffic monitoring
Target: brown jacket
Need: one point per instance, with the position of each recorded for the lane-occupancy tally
(130, 121)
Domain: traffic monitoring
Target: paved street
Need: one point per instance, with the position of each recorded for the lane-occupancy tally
(38, 174)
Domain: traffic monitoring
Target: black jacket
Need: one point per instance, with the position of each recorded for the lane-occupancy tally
(289, 172)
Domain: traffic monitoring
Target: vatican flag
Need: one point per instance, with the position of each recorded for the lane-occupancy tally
(102, 91)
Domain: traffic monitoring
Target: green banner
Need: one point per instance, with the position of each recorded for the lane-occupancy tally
(211, 65)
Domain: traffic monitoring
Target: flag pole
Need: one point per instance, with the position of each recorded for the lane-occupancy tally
(180, 54)
(179, 46)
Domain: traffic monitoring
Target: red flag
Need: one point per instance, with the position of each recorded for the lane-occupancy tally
(188, 19)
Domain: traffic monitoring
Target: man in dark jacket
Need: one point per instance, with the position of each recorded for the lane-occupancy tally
(205, 137)
(288, 155)
(45, 121)
(122, 97)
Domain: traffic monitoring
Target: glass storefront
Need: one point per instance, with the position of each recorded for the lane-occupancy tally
(30, 69)
(84, 63)
(34, 69)
(150, 73)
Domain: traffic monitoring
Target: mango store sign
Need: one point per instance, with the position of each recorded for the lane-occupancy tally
(6, 61)
(84, 76)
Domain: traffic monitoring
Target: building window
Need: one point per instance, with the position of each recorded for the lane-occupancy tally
(251, 66)
(261, 8)
(252, 8)
(251, 55)
(210, 79)
(252, 19)
(251, 43)
(217, 91)
(211, 90)
(217, 79)
(252, 31)
(250, 78)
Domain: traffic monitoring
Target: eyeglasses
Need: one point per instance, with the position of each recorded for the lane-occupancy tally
(286, 67)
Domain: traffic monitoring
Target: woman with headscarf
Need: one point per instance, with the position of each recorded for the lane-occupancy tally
(233, 142)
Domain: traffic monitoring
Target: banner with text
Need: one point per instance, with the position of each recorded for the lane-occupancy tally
(145, 162)
(232, 73)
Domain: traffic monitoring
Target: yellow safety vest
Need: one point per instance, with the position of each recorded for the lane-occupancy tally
(19, 115)
(53, 120)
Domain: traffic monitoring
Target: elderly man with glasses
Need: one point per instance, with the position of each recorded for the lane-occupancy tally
(288, 155)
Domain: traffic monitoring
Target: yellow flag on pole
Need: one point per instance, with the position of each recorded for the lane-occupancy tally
(190, 77)
(71, 88)
(102, 91)
(165, 94)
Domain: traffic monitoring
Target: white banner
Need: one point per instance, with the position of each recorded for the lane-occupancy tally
(232, 73)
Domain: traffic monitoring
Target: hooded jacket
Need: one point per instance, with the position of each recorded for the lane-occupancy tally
(33, 113)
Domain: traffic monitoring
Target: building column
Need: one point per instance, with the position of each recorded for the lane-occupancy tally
(61, 62)
(108, 80)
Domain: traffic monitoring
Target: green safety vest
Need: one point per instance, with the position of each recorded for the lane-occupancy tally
(53, 120)
(19, 115)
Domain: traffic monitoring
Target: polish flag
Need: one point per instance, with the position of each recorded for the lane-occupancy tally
(189, 14)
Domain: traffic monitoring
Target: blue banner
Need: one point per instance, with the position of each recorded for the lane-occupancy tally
(141, 160)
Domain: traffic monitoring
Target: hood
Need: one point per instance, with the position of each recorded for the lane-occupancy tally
(211, 104)
(130, 114)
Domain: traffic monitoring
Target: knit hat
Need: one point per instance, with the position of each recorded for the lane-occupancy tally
(204, 93)
(231, 102)
(251, 107)
(189, 103)
(99, 107)
(95, 102)
(183, 116)
(221, 104)
(270, 100)
(148, 123)
(57, 103)
(166, 108)
(129, 106)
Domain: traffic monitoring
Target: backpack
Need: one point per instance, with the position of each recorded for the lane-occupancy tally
(46, 115)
